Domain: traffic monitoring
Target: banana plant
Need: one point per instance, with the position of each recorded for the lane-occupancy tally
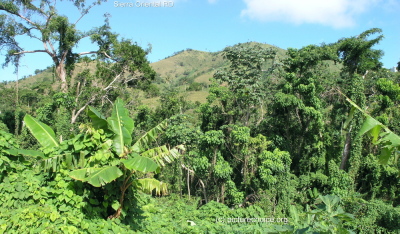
(381, 135)
(113, 144)
(327, 217)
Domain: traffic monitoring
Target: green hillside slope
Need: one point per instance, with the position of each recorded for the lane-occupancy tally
(177, 71)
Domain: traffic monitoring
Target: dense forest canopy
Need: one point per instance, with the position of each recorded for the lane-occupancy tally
(297, 141)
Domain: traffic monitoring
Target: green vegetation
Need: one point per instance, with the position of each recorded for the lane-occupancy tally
(252, 139)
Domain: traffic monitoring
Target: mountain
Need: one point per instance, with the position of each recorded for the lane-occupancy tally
(200, 65)
(180, 70)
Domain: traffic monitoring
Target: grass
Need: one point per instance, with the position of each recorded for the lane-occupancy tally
(191, 63)
(200, 96)
(151, 102)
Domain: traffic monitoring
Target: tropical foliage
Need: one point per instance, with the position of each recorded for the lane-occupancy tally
(305, 142)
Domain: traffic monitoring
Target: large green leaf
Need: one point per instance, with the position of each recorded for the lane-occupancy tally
(330, 201)
(391, 138)
(43, 133)
(98, 120)
(144, 141)
(60, 161)
(122, 126)
(374, 132)
(349, 118)
(139, 163)
(389, 141)
(294, 214)
(148, 185)
(369, 124)
(164, 155)
(97, 176)
(386, 152)
(32, 153)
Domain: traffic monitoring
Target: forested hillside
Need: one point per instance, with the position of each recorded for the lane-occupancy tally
(252, 139)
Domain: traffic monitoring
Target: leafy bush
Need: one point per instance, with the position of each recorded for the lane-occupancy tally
(3, 127)
(373, 216)
(152, 91)
(195, 86)
(213, 217)
(10, 159)
(33, 201)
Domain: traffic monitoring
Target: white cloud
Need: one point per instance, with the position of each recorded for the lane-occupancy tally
(335, 13)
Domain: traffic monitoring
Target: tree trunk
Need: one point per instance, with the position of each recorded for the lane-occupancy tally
(346, 151)
(16, 113)
(62, 75)
(124, 187)
(204, 190)
(188, 183)
(223, 193)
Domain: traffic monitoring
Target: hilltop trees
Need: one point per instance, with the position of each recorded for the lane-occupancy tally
(245, 78)
(242, 98)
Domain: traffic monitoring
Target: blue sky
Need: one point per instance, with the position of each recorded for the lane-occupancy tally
(211, 25)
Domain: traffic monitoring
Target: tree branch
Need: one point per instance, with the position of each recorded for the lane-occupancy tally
(78, 40)
(31, 51)
(75, 116)
(83, 14)
(127, 80)
(80, 88)
(112, 82)
(89, 52)
(52, 55)
(204, 190)
(22, 17)
(33, 36)
(64, 56)
(187, 169)
(78, 94)
(108, 56)
(52, 48)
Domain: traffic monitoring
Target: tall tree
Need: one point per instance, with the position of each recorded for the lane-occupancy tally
(40, 20)
(120, 62)
(357, 54)
(358, 59)
(245, 77)
(295, 121)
